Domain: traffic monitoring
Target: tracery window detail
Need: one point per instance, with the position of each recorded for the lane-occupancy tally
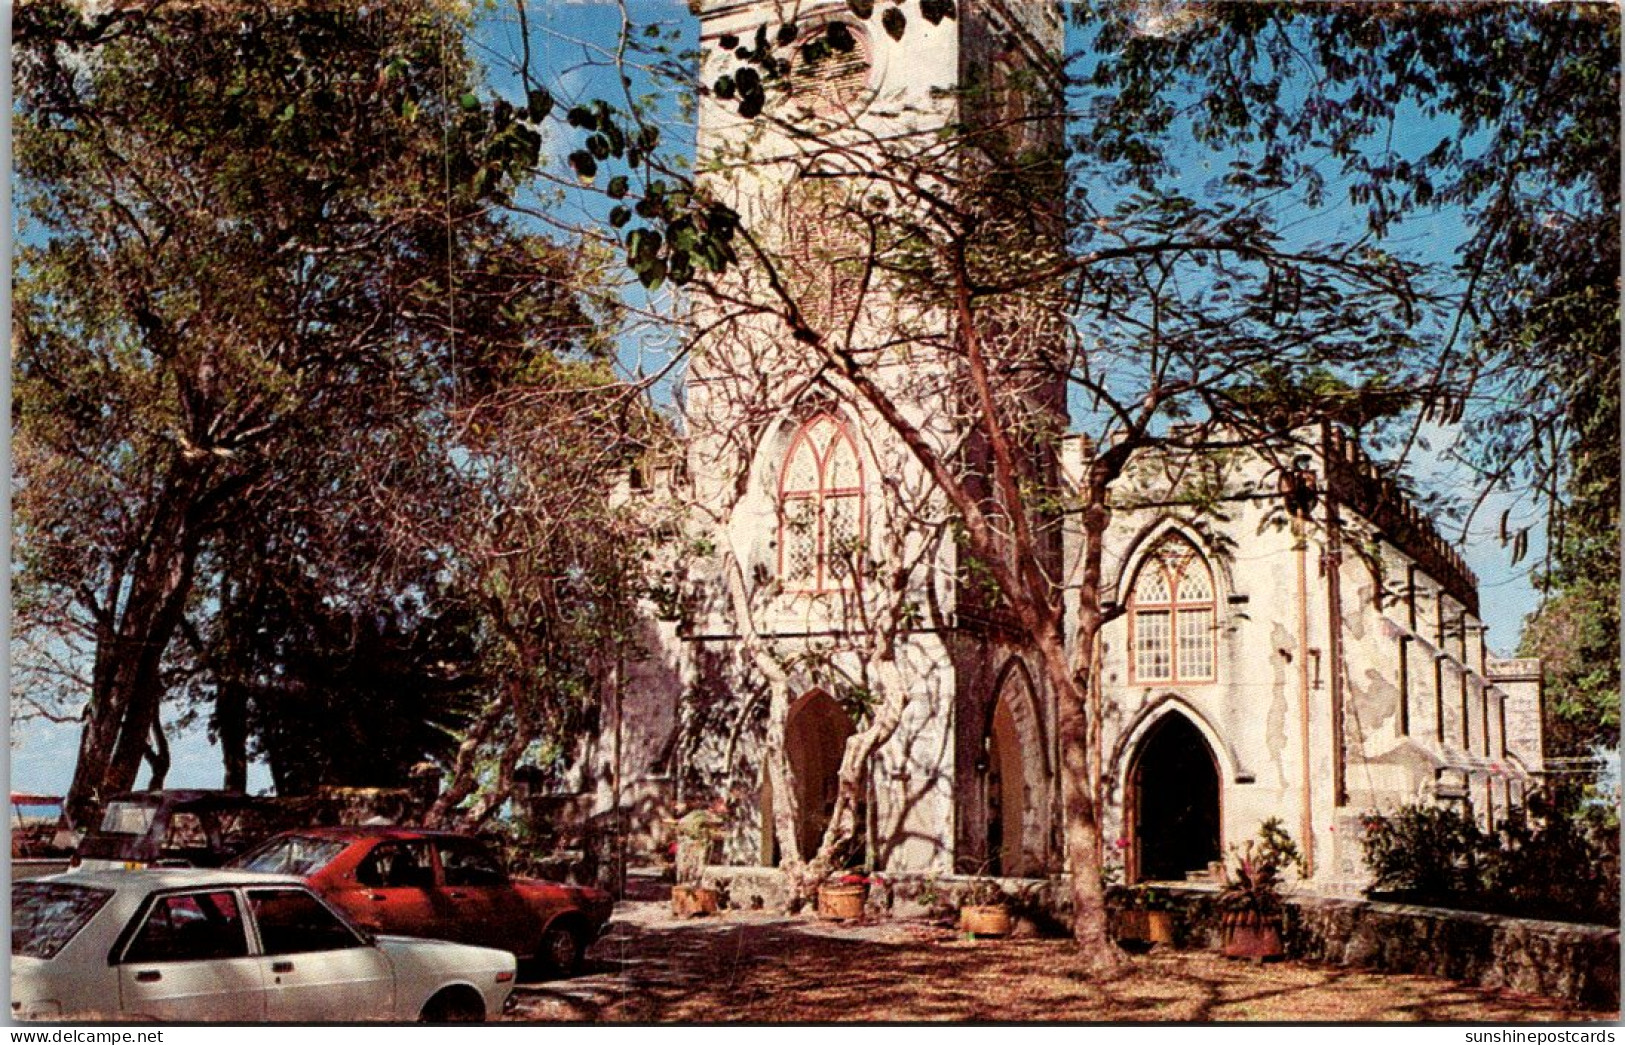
(1172, 616)
(820, 508)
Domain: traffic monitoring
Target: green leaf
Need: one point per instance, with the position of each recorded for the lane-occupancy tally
(617, 187)
(727, 41)
(894, 22)
(839, 37)
(539, 103)
(934, 11)
(581, 116)
(618, 217)
(585, 166)
(750, 105)
(598, 145)
(787, 34)
(652, 274)
(643, 244)
(469, 101)
(724, 87)
(862, 8)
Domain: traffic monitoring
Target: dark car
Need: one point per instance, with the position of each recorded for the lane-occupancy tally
(180, 828)
(439, 885)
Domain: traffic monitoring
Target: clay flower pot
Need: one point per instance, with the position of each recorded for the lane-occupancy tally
(1159, 927)
(694, 901)
(842, 900)
(1253, 936)
(1131, 924)
(985, 919)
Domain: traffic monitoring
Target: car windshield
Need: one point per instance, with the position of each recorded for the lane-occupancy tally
(292, 854)
(46, 915)
(128, 818)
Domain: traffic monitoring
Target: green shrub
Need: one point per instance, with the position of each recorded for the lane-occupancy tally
(1429, 853)
(1537, 864)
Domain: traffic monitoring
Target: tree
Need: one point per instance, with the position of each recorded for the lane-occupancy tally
(260, 264)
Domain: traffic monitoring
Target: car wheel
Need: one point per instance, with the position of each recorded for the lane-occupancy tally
(561, 950)
(454, 1005)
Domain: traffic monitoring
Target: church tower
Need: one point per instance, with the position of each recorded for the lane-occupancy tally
(868, 148)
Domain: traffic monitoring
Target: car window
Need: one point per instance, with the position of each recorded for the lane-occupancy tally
(240, 827)
(46, 915)
(190, 927)
(292, 854)
(128, 818)
(397, 865)
(293, 921)
(467, 862)
(185, 832)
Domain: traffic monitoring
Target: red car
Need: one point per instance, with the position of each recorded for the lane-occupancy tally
(439, 885)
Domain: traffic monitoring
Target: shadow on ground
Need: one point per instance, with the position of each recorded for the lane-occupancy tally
(757, 968)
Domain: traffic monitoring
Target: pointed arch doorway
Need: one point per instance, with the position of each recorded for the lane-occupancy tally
(1173, 802)
(1016, 779)
(815, 736)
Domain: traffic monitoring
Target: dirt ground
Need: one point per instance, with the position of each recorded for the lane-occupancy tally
(761, 968)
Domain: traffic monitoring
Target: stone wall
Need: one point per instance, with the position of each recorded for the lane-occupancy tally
(1579, 963)
(1557, 959)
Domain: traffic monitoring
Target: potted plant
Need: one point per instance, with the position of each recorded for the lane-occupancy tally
(984, 910)
(843, 896)
(1143, 914)
(698, 831)
(1158, 909)
(1250, 903)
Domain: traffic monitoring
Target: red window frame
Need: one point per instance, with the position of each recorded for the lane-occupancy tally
(1173, 558)
(819, 494)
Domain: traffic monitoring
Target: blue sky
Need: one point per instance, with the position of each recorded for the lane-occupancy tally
(568, 39)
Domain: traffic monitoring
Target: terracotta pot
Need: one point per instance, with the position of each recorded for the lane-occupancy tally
(1131, 924)
(1159, 927)
(1252, 936)
(985, 919)
(842, 901)
(693, 901)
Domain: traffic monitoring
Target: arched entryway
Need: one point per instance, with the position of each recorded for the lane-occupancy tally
(1004, 795)
(814, 740)
(1015, 779)
(1173, 802)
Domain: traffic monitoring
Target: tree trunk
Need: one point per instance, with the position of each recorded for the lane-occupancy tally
(127, 685)
(158, 757)
(854, 771)
(231, 726)
(1080, 711)
(462, 781)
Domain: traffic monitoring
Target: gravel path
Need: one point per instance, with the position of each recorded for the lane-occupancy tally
(763, 968)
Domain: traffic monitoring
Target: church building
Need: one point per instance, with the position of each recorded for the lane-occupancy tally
(1288, 637)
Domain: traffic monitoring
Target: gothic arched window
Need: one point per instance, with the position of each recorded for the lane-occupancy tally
(1171, 616)
(820, 507)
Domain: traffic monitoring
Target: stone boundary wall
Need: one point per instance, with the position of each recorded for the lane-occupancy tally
(1579, 963)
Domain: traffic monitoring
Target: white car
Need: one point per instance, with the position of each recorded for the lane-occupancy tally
(188, 945)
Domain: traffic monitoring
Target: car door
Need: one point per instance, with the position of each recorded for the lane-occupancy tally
(189, 959)
(391, 890)
(477, 901)
(316, 967)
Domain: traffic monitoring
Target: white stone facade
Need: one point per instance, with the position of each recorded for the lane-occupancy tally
(1317, 665)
